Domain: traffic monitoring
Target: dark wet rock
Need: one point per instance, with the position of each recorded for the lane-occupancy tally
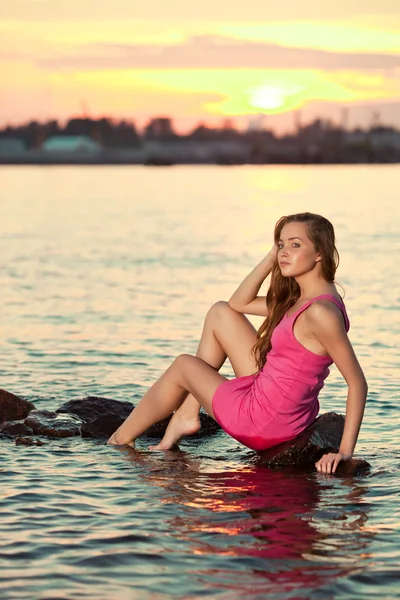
(323, 436)
(16, 429)
(157, 430)
(208, 427)
(353, 466)
(28, 441)
(102, 426)
(102, 416)
(12, 407)
(92, 407)
(105, 425)
(53, 425)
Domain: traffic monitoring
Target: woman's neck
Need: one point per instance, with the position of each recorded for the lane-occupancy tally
(312, 287)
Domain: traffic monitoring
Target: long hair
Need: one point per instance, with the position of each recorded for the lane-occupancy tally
(283, 291)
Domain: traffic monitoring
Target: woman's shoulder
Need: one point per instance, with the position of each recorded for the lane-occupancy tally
(326, 312)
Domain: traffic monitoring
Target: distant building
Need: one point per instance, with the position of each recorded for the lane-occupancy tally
(256, 123)
(159, 128)
(11, 147)
(196, 151)
(355, 138)
(379, 139)
(71, 144)
(382, 138)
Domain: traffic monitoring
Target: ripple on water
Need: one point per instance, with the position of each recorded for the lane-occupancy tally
(98, 297)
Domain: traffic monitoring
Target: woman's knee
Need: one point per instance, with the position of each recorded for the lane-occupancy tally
(182, 368)
(219, 310)
(182, 361)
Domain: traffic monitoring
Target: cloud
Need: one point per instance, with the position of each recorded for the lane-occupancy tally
(178, 10)
(213, 52)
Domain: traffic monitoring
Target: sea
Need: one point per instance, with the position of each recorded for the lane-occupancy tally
(107, 273)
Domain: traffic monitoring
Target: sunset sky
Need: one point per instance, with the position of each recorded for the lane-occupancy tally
(200, 61)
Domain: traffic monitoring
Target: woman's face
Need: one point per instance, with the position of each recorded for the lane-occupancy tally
(296, 252)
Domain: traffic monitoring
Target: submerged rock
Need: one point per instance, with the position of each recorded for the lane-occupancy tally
(208, 427)
(12, 407)
(97, 417)
(102, 426)
(103, 416)
(53, 425)
(93, 417)
(91, 407)
(353, 466)
(15, 429)
(323, 436)
(28, 441)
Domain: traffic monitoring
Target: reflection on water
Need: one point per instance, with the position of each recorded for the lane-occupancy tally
(273, 520)
(106, 275)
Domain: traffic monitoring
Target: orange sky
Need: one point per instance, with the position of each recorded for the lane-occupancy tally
(203, 61)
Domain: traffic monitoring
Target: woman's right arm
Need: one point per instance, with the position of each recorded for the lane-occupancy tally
(245, 299)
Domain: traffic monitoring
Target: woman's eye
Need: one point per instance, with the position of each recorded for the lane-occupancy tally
(280, 246)
(296, 245)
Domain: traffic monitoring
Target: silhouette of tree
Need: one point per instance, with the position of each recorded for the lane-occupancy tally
(160, 129)
(318, 141)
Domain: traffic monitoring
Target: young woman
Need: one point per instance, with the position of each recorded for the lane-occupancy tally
(279, 370)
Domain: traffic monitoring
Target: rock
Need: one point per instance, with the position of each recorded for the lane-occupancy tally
(52, 424)
(16, 429)
(12, 407)
(103, 416)
(92, 407)
(102, 426)
(323, 436)
(208, 427)
(100, 416)
(352, 466)
(28, 441)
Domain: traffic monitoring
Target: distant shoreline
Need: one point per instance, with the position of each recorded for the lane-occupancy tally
(92, 161)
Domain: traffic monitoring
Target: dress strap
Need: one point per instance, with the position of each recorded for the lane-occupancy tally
(339, 304)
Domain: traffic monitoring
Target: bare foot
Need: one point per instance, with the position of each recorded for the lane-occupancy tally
(112, 441)
(178, 427)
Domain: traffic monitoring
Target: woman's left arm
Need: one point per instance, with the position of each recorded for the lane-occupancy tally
(327, 325)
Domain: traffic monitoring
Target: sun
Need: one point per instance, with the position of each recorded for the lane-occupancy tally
(267, 96)
(272, 97)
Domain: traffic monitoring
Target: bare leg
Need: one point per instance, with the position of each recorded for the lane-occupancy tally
(226, 333)
(186, 374)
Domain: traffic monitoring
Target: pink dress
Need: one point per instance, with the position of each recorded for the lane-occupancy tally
(280, 401)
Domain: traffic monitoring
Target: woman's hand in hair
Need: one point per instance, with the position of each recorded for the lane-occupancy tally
(273, 253)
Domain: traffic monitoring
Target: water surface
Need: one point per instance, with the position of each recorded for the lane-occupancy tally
(106, 275)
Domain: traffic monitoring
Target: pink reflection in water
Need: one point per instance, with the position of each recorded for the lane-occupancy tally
(261, 514)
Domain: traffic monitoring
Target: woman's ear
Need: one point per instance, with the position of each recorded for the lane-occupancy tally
(318, 257)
